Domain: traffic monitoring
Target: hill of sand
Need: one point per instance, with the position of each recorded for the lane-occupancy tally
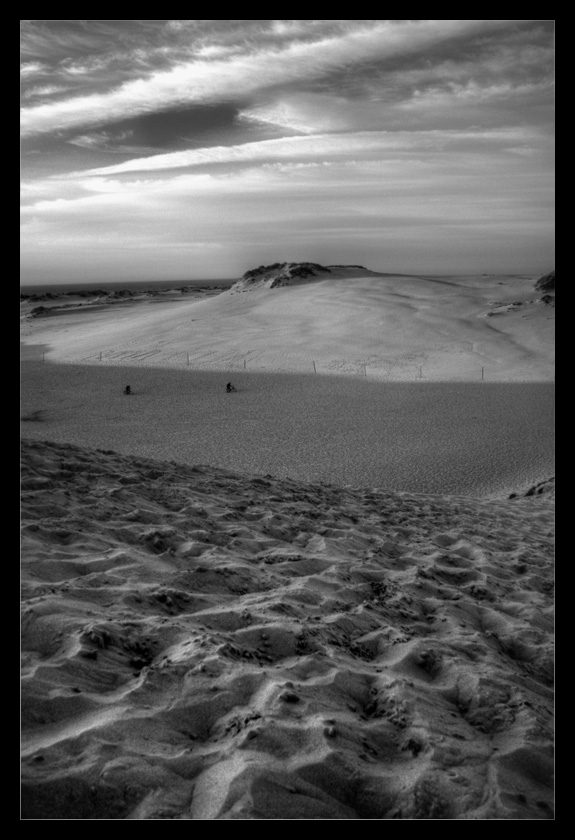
(340, 320)
(341, 614)
(203, 645)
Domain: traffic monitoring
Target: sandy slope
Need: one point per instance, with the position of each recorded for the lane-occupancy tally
(387, 327)
(206, 644)
(200, 644)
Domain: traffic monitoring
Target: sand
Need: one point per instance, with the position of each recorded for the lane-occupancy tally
(199, 644)
(309, 599)
(470, 438)
(385, 327)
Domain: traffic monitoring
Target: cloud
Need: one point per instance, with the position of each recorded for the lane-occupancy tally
(408, 201)
(256, 70)
(186, 25)
(302, 113)
(493, 82)
(85, 67)
(213, 51)
(32, 68)
(43, 90)
(410, 205)
(104, 140)
(401, 141)
(320, 147)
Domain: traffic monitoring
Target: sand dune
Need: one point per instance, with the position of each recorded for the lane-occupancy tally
(199, 644)
(351, 321)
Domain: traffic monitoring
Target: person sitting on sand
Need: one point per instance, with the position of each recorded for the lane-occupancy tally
(127, 390)
(230, 388)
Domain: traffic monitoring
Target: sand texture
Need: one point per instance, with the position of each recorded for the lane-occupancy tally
(201, 644)
(327, 595)
(471, 438)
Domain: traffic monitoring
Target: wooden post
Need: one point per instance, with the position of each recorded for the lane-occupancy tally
(482, 369)
(43, 357)
(188, 359)
(244, 364)
(420, 373)
(314, 370)
(100, 355)
(365, 370)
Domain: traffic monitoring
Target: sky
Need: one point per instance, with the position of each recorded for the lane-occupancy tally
(199, 149)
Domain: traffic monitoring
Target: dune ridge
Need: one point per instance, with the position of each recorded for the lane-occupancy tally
(203, 644)
(350, 321)
(294, 274)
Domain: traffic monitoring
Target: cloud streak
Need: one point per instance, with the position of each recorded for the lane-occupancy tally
(200, 81)
(368, 145)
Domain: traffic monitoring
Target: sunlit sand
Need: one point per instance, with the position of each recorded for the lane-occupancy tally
(384, 327)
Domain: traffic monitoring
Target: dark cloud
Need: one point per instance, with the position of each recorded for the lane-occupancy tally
(176, 129)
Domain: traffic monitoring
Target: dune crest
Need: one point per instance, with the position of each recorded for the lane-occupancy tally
(293, 274)
(201, 644)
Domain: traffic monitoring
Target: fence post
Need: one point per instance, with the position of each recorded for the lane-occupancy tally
(188, 359)
(100, 355)
(482, 370)
(244, 364)
(314, 370)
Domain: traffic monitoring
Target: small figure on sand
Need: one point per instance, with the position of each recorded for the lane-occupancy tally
(230, 388)
(127, 390)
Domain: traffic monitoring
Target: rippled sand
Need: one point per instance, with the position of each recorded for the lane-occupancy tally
(199, 644)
